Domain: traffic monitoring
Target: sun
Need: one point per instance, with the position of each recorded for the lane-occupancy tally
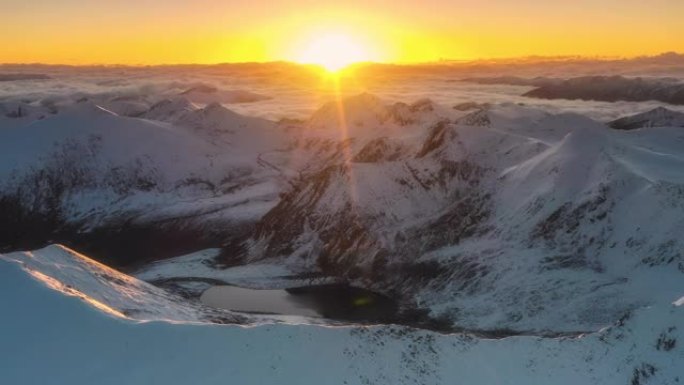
(333, 52)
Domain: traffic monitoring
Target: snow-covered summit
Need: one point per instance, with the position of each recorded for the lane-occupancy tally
(169, 110)
(367, 115)
(206, 94)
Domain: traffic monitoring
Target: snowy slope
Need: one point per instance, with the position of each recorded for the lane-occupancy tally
(169, 110)
(216, 122)
(116, 293)
(76, 340)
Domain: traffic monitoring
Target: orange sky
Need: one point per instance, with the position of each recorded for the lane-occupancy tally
(210, 31)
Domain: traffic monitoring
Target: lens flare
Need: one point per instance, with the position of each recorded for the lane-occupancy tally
(333, 52)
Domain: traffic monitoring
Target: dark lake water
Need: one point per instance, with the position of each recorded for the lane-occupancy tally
(337, 302)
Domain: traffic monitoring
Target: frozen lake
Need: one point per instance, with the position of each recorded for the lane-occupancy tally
(340, 302)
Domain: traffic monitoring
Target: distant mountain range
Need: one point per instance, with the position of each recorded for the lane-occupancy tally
(658, 117)
(598, 88)
(22, 76)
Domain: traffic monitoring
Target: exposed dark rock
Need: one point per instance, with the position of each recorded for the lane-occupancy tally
(478, 119)
(567, 219)
(465, 106)
(641, 374)
(377, 150)
(435, 139)
(666, 341)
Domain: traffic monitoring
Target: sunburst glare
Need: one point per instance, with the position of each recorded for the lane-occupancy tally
(334, 52)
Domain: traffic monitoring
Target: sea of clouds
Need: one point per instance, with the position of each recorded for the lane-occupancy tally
(282, 90)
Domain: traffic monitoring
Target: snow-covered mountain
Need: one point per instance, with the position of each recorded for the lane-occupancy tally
(505, 220)
(491, 217)
(206, 94)
(508, 217)
(657, 117)
(169, 110)
(79, 322)
(365, 115)
(515, 242)
(85, 168)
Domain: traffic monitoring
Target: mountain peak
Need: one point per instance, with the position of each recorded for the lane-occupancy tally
(657, 117)
(200, 88)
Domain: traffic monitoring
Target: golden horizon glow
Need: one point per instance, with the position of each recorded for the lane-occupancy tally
(334, 52)
(397, 31)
